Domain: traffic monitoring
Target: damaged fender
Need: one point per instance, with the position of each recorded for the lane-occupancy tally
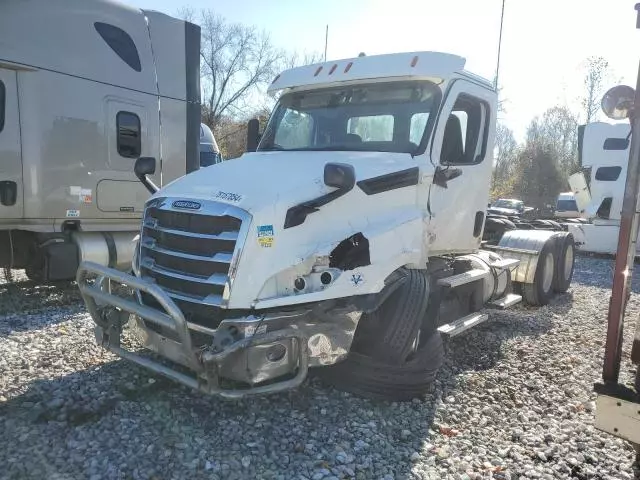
(392, 242)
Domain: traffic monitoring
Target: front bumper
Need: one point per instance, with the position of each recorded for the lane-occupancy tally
(268, 352)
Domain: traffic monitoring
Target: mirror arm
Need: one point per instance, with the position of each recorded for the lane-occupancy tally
(149, 185)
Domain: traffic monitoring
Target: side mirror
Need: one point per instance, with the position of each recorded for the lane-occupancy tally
(339, 175)
(146, 166)
(253, 134)
(617, 103)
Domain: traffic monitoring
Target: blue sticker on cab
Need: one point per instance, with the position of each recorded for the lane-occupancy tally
(265, 236)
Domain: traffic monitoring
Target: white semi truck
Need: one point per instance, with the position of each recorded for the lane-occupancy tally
(87, 87)
(605, 158)
(350, 240)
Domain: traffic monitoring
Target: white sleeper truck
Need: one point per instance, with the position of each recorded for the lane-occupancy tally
(87, 87)
(350, 240)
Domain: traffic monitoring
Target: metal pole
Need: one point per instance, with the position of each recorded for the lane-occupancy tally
(326, 41)
(627, 238)
(499, 47)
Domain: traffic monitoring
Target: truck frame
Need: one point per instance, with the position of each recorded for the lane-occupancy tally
(349, 238)
(85, 89)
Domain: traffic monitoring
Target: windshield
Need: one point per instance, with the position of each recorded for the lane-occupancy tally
(381, 117)
(513, 204)
(567, 206)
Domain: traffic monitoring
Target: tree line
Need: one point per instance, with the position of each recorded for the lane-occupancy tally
(239, 61)
(537, 170)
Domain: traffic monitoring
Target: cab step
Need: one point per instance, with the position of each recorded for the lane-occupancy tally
(507, 301)
(505, 263)
(463, 278)
(454, 328)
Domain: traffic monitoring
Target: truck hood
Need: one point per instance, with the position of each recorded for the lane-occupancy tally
(259, 179)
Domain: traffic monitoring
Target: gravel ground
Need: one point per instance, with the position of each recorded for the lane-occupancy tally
(514, 400)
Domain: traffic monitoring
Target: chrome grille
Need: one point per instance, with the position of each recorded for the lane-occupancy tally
(190, 253)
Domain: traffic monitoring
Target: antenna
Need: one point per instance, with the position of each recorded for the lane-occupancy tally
(499, 48)
(326, 41)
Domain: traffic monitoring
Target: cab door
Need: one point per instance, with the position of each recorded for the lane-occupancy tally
(10, 147)
(462, 153)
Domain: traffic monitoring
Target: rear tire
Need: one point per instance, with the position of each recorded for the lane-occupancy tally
(540, 291)
(565, 263)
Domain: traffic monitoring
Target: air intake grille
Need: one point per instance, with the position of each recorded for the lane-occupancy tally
(189, 253)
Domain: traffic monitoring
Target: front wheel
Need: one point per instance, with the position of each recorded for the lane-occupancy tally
(396, 351)
(367, 377)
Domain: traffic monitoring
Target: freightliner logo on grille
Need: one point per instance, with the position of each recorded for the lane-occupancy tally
(186, 204)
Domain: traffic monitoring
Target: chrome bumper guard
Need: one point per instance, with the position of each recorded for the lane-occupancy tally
(110, 312)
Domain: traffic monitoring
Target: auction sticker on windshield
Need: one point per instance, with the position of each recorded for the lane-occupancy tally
(265, 236)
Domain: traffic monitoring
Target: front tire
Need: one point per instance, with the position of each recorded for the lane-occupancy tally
(367, 377)
(399, 319)
(396, 351)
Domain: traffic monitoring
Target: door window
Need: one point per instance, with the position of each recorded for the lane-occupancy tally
(466, 132)
(128, 129)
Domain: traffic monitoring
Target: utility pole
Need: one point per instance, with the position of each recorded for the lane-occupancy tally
(326, 41)
(499, 48)
(627, 238)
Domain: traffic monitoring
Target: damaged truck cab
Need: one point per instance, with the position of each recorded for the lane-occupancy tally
(350, 239)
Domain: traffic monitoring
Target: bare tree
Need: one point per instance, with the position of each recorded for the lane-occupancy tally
(597, 73)
(559, 130)
(297, 59)
(236, 61)
(501, 100)
(537, 177)
(505, 154)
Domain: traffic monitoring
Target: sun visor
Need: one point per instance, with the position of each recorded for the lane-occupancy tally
(433, 66)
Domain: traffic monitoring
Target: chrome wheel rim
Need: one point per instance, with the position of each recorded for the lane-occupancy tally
(547, 275)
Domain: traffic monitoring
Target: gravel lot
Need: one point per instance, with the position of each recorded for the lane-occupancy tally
(514, 400)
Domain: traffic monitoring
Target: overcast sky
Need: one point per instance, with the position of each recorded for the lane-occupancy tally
(544, 42)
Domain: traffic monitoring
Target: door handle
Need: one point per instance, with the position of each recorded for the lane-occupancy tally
(442, 175)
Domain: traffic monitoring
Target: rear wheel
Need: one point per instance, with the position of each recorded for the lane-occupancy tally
(565, 263)
(541, 290)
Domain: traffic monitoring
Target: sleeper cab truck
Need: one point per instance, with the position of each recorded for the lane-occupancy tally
(85, 89)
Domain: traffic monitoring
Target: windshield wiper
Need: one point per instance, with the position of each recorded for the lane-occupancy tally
(338, 147)
(271, 148)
